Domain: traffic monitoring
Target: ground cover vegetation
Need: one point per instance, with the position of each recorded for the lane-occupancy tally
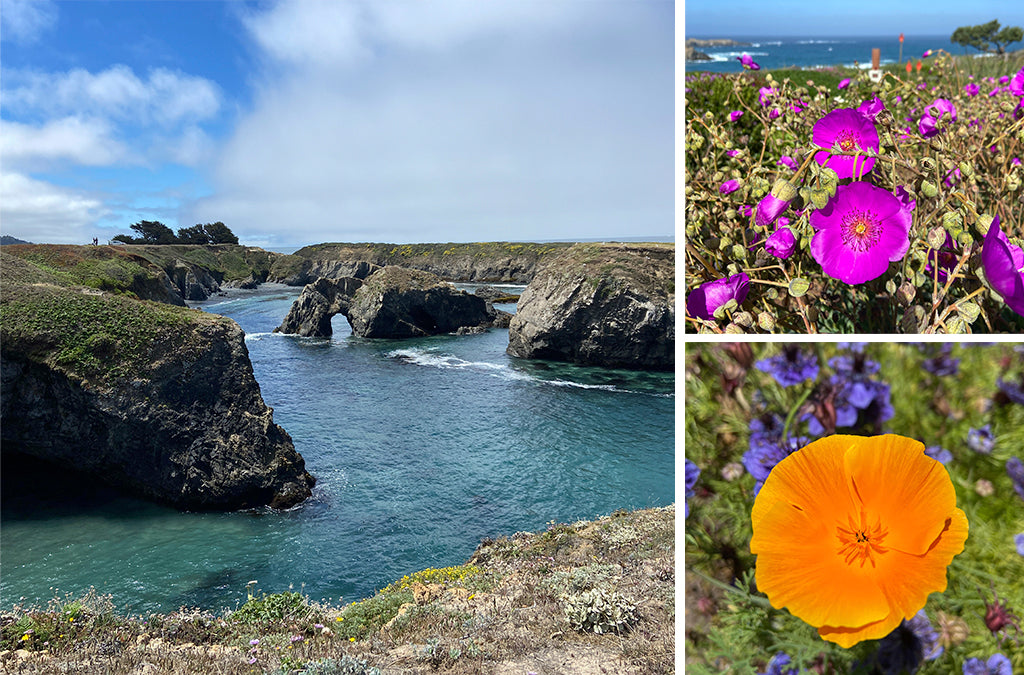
(821, 201)
(591, 596)
(753, 409)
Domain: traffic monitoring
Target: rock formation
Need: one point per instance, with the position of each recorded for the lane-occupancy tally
(157, 400)
(393, 302)
(608, 305)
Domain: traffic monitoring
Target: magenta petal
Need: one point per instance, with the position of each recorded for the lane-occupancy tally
(849, 130)
(782, 243)
(768, 209)
(706, 298)
(1001, 270)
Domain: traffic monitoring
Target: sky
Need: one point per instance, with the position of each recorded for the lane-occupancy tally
(833, 18)
(307, 121)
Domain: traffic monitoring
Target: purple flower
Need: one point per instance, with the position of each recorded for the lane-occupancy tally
(981, 439)
(1003, 264)
(1019, 542)
(735, 115)
(849, 131)
(871, 108)
(692, 474)
(942, 364)
(746, 210)
(926, 54)
(748, 62)
(1017, 83)
(706, 298)
(791, 366)
(733, 153)
(939, 454)
(910, 643)
(775, 666)
(782, 243)
(997, 664)
(1014, 392)
(928, 124)
(1004, 80)
(971, 89)
(786, 160)
(843, 83)
(859, 232)
(775, 202)
(1015, 470)
(767, 447)
(729, 186)
(946, 258)
(765, 94)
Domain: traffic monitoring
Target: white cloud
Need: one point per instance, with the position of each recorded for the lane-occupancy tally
(80, 141)
(37, 211)
(454, 121)
(163, 98)
(26, 20)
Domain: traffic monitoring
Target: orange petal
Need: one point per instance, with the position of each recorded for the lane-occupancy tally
(794, 519)
(908, 490)
(847, 637)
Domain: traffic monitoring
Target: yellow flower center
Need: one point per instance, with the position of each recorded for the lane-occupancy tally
(860, 230)
(846, 141)
(861, 541)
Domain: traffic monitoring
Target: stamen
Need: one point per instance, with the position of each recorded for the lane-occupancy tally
(861, 540)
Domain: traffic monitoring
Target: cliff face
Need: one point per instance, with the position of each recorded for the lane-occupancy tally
(155, 399)
(608, 305)
(491, 262)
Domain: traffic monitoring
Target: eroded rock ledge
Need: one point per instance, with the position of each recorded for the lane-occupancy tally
(154, 399)
(610, 305)
(391, 302)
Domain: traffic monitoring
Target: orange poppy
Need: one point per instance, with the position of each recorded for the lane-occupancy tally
(853, 533)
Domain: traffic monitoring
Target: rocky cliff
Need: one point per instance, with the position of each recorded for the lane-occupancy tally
(491, 262)
(609, 305)
(155, 399)
(392, 302)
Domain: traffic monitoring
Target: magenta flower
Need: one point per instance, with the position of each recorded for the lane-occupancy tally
(1004, 80)
(972, 89)
(786, 160)
(732, 153)
(1004, 267)
(849, 131)
(735, 115)
(775, 202)
(843, 83)
(765, 94)
(774, 113)
(1017, 83)
(871, 108)
(782, 243)
(746, 210)
(946, 259)
(928, 124)
(859, 232)
(926, 54)
(729, 186)
(748, 62)
(706, 298)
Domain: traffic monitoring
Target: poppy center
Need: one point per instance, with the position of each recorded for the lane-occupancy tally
(860, 230)
(846, 140)
(861, 541)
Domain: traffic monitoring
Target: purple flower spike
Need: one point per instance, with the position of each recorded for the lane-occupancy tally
(782, 243)
(1003, 264)
(748, 62)
(729, 186)
(859, 232)
(997, 664)
(850, 131)
(706, 298)
(843, 83)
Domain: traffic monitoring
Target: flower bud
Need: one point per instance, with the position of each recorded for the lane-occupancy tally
(782, 243)
(936, 237)
(739, 252)
(745, 319)
(798, 287)
(928, 189)
(905, 293)
(766, 321)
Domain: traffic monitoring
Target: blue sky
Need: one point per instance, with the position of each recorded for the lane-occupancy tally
(304, 121)
(778, 18)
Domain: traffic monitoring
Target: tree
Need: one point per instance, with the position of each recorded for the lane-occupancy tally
(154, 232)
(193, 235)
(220, 234)
(984, 36)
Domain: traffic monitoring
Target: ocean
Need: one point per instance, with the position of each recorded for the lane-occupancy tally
(817, 52)
(421, 449)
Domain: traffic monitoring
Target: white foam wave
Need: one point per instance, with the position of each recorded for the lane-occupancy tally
(259, 336)
(434, 359)
(818, 42)
(730, 56)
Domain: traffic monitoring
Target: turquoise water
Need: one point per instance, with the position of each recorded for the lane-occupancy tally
(421, 448)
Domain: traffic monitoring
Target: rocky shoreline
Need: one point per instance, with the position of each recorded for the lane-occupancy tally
(694, 44)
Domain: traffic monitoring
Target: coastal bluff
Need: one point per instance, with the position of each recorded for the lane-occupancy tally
(149, 397)
(610, 305)
(693, 45)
